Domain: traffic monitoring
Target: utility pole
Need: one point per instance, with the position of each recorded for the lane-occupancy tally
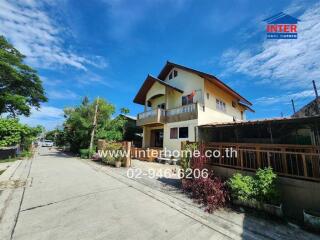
(94, 124)
(317, 96)
(315, 89)
(293, 107)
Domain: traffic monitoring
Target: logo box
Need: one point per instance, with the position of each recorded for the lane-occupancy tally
(282, 26)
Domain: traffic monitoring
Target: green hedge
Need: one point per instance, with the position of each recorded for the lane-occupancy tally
(261, 187)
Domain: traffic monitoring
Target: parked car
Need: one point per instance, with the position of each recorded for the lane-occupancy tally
(47, 143)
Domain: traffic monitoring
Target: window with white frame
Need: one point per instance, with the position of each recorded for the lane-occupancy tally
(173, 74)
(221, 105)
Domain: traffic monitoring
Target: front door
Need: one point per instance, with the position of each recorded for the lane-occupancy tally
(157, 138)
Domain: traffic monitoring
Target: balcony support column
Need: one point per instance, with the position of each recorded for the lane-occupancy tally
(145, 105)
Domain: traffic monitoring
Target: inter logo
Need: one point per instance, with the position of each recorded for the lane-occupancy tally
(282, 26)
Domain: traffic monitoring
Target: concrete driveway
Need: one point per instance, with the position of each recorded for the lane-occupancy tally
(68, 198)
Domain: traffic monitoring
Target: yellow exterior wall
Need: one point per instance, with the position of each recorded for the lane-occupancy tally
(207, 112)
(187, 82)
(147, 135)
(156, 101)
(156, 89)
(214, 115)
(175, 144)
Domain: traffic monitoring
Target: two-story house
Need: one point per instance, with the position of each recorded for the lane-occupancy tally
(179, 100)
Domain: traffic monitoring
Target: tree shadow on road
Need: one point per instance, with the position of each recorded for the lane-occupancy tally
(176, 183)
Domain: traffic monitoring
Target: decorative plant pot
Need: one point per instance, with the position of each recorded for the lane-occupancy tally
(275, 210)
(117, 164)
(312, 219)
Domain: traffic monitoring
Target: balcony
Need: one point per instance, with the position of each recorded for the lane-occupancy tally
(160, 116)
(152, 117)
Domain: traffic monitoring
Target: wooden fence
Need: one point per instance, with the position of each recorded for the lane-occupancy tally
(296, 161)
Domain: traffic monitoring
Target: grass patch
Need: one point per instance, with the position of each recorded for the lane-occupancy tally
(8, 160)
(1, 171)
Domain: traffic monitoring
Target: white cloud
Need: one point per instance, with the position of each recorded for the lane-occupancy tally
(288, 64)
(89, 78)
(36, 35)
(49, 117)
(286, 98)
(62, 94)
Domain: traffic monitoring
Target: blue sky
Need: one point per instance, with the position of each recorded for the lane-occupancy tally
(106, 48)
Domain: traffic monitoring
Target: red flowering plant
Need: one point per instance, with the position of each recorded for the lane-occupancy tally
(208, 190)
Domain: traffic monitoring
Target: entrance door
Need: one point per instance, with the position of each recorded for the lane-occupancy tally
(157, 138)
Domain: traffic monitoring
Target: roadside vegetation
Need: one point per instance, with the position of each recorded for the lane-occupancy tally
(259, 188)
(214, 193)
(78, 125)
(20, 90)
(20, 86)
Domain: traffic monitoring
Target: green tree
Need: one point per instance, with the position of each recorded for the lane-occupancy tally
(79, 122)
(20, 86)
(12, 132)
(57, 136)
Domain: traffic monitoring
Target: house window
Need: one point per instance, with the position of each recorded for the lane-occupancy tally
(173, 133)
(241, 115)
(170, 76)
(162, 106)
(183, 132)
(208, 95)
(188, 99)
(175, 73)
(220, 105)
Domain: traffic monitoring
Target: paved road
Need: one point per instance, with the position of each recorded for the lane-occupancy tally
(67, 198)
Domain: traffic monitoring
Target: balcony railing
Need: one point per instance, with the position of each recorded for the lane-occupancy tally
(183, 113)
(161, 116)
(155, 116)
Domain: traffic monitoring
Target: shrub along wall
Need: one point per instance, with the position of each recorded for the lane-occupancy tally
(295, 194)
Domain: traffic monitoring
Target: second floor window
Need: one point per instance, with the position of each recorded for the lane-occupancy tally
(162, 106)
(188, 99)
(220, 105)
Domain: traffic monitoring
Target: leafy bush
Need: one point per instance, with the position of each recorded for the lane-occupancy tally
(261, 187)
(12, 132)
(86, 153)
(210, 191)
(265, 185)
(242, 187)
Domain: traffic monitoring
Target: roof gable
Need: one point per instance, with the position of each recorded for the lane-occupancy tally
(147, 84)
(169, 66)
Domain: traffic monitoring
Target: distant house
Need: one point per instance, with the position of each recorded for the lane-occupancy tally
(179, 99)
(311, 109)
(132, 132)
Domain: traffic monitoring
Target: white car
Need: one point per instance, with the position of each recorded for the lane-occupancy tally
(47, 143)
